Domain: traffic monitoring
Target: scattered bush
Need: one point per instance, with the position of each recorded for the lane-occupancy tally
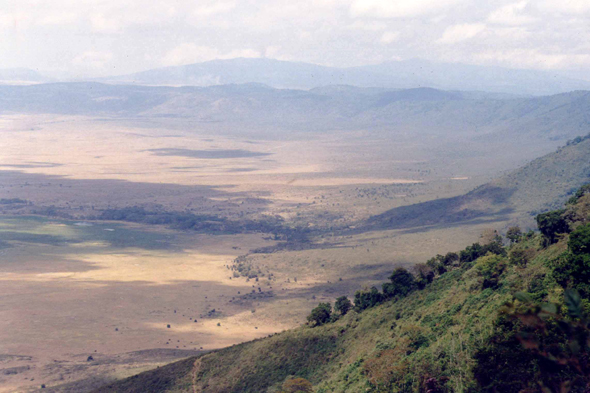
(367, 299)
(402, 283)
(320, 315)
(297, 385)
(519, 257)
(514, 234)
(342, 305)
(551, 224)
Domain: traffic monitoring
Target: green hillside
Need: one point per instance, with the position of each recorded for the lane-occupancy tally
(489, 318)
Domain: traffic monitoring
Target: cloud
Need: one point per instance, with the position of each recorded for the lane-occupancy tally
(565, 6)
(92, 59)
(462, 32)
(398, 8)
(102, 24)
(14, 20)
(367, 26)
(532, 58)
(215, 8)
(389, 36)
(188, 53)
(511, 14)
(57, 18)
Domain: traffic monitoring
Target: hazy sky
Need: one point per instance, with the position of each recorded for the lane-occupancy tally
(107, 37)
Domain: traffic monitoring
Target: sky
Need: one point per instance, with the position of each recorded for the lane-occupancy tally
(84, 38)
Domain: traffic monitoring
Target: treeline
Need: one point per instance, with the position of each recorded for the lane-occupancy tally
(13, 201)
(540, 340)
(577, 140)
(402, 282)
(274, 225)
(491, 260)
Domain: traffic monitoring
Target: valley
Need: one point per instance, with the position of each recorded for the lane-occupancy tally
(114, 228)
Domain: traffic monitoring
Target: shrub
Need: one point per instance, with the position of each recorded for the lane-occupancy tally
(402, 283)
(342, 305)
(424, 275)
(579, 242)
(514, 234)
(551, 224)
(571, 269)
(519, 258)
(367, 299)
(320, 315)
(450, 258)
(490, 267)
(297, 385)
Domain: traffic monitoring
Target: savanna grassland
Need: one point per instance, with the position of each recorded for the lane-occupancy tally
(117, 233)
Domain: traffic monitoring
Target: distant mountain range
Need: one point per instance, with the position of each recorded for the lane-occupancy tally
(280, 74)
(21, 76)
(422, 111)
(395, 74)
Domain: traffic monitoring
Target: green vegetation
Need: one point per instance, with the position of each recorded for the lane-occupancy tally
(206, 223)
(321, 314)
(342, 305)
(497, 319)
(13, 201)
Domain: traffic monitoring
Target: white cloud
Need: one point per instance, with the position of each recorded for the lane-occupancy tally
(565, 6)
(14, 20)
(367, 26)
(49, 35)
(103, 24)
(462, 32)
(511, 14)
(188, 53)
(532, 58)
(272, 51)
(92, 60)
(215, 8)
(389, 36)
(398, 8)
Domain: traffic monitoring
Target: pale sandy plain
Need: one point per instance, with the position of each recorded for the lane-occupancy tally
(72, 289)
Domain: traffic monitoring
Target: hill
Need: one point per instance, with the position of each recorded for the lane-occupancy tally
(457, 325)
(540, 185)
(21, 76)
(395, 74)
(422, 110)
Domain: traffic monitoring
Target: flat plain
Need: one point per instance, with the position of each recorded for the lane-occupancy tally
(87, 301)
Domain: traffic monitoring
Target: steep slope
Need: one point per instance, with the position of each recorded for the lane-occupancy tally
(396, 74)
(543, 184)
(448, 336)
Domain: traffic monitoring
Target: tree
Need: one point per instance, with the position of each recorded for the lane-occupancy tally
(297, 385)
(321, 314)
(367, 299)
(490, 236)
(402, 283)
(579, 242)
(342, 305)
(551, 224)
(571, 269)
(450, 258)
(471, 253)
(513, 234)
(519, 258)
(424, 275)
